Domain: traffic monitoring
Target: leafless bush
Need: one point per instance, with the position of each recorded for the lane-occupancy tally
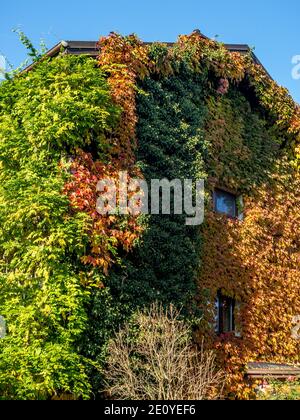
(158, 361)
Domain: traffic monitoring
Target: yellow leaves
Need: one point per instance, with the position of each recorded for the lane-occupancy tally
(126, 59)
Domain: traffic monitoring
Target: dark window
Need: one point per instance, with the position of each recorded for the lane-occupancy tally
(225, 203)
(225, 314)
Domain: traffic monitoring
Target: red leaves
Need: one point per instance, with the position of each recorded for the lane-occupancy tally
(107, 233)
(257, 261)
(223, 86)
(124, 59)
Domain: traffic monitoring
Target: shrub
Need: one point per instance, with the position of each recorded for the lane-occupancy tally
(154, 359)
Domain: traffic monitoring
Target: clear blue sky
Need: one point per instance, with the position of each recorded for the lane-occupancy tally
(271, 26)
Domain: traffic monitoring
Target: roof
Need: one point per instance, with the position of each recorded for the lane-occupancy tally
(272, 370)
(91, 49)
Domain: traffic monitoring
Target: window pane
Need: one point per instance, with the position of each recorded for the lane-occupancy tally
(225, 203)
(226, 314)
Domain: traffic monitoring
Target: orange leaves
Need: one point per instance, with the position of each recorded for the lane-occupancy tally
(211, 54)
(257, 260)
(203, 52)
(295, 121)
(129, 51)
(125, 60)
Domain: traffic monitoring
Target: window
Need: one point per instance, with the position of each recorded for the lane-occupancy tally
(226, 203)
(225, 314)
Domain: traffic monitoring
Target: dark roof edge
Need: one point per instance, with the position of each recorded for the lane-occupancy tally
(90, 48)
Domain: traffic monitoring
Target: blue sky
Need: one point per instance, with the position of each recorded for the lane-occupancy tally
(271, 26)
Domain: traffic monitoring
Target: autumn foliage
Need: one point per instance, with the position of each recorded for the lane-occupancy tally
(124, 60)
(70, 276)
(256, 262)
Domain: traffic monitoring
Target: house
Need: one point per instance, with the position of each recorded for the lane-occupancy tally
(197, 109)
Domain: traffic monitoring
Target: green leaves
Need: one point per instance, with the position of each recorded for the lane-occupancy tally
(44, 287)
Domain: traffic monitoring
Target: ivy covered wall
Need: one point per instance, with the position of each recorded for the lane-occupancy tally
(256, 260)
(70, 277)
